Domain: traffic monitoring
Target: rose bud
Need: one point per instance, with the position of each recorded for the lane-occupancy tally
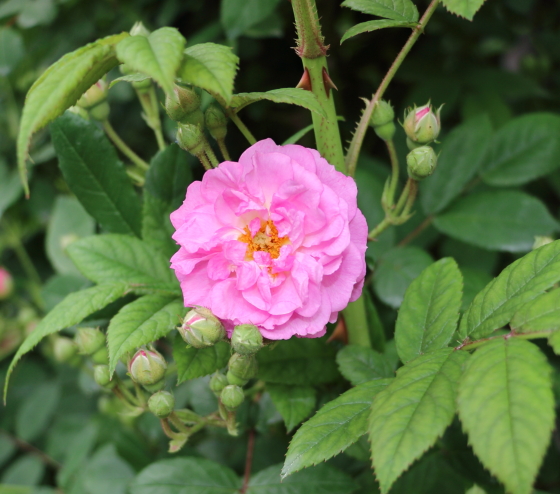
(147, 367)
(94, 100)
(422, 125)
(64, 349)
(184, 106)
(89, 340)
(101, 356)
(421, 162)
(232, 379)
(102, 376)
(232, 396)
(382, 120)
(243, 366)
(161, 404)
(191, 138)
(216, 122)
(6, 284)
(218, 382)
(201, 328)
(246, 339)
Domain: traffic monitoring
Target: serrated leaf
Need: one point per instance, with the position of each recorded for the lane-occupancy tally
(430, 310)
(291, 95)
(463, 8)
(398, 10)
(129, 78)
(158, 55)
(198, 362)
(185, 476)
(94, 173)
(521, 282)
(554, 342)
(141, 322)
(359, 364)
(72, 310)
(238, 16)
(294, 403)
(113, 258)
(369, 26)
(540, 314)
(321, 479)
(211, 67)
(340, 423)
(505, 220)
(60, 86)
(413, 411)
(299, 361)
(506, 406)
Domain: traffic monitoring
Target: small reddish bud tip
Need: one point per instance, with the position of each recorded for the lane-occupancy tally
(305, 81)
(327, 81)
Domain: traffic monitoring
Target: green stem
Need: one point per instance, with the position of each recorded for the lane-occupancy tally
(205, 162)
(403, 199)
(471, 345)
(155, 119)
(176, 421)
(242, 127)
(123, 147)
(395, 171)
(379, 229)
(355, 317)
(224, 149)
(358, 138)
(211, 155)
(137, 177)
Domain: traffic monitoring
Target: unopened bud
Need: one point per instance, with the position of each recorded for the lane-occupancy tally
(181, 104)
(139, 30)
(6, 284)
(422, 125)
(89, 340)
(216, 122)
(147, 367)
(64, 349)
(95, 95)
(233, 379)
(218, 382)
(191, 138)
(383, 113)
(161, 404)
(201, 328)
(101, 356)
(246, 339)
(102, 376)
(243, 366)
(542, 240)
(421, 162)
(78, 110)
(386, 131)
(232, 396)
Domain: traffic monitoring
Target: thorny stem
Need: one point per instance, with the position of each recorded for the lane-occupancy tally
(205, 161)
(248, 461)
(123, 147)
(471, 345)
(210, 154)
(358, 138)
(241, 126)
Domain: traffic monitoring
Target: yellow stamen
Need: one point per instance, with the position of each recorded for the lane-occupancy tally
(265, 240)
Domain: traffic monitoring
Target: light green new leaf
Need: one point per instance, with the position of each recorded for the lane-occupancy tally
(158, 55)
(321, 479)
(413, 411)
(398, 10)
(72, 310)
(290, 95)
(198, 362)
(340, 423)
(359, 364)
(463, 8)
(185, 476)
(521, 282)
(430, 310)
(211, 67)
(129, 78)
(506, 405)
(369, 26)
(294, 403)
(554, 342)
(540, 314)
(112, 258)
(60, 86)
(145, 320)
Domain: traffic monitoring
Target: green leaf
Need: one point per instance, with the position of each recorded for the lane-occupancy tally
(197, 362)
(72, 310)
(497, 220)
(474, 281)
(129, 78)
(12, 50)
(112, 258)
(238, 16)
(60, 86)
(430, 310)
(395, 272)
(158, 55)
(523, 149)
(359, 364)
(369, 26)
(299, 361)
(291, 95)
(26, 470)
(37, 410)
(164, 191)
(539, 314)
(321, 479)
(463, 8)
(93, 172)
(340, 423)
(185, 476)
(10, 187)
(413, 411)
(294, 403)
(554, 342)
(398, 10)
(506, 406)
(521, 282)
(461, 156)
(106, 472)
(211, 67)
(141, 322)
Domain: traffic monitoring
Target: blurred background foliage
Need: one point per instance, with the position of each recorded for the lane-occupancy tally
(58, 430)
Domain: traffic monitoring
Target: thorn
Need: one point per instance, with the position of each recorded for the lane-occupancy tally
(340, 332)
(305, 81)
(327, 81)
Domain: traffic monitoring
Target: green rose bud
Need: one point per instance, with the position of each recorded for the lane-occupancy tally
(218, 382)
(232, 379)
(147, 367)
(95, 95)
(191, 138)
(64, 349)
(232, 396)
(77, 110)
(161, 404)
(246, 339)
(383, 113)
(89, 340)
(243, 366)
(386, 131)
(422, 125)
(421, 162)
(101, 356)
(181, 104)
(102, 376)
(216, 122)
(201, 328)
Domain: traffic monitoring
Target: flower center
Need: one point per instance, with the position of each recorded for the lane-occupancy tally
(265, 240)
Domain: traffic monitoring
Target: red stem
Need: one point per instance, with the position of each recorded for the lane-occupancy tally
(248, 461)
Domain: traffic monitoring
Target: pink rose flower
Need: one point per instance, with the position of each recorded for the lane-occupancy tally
(275, 240)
